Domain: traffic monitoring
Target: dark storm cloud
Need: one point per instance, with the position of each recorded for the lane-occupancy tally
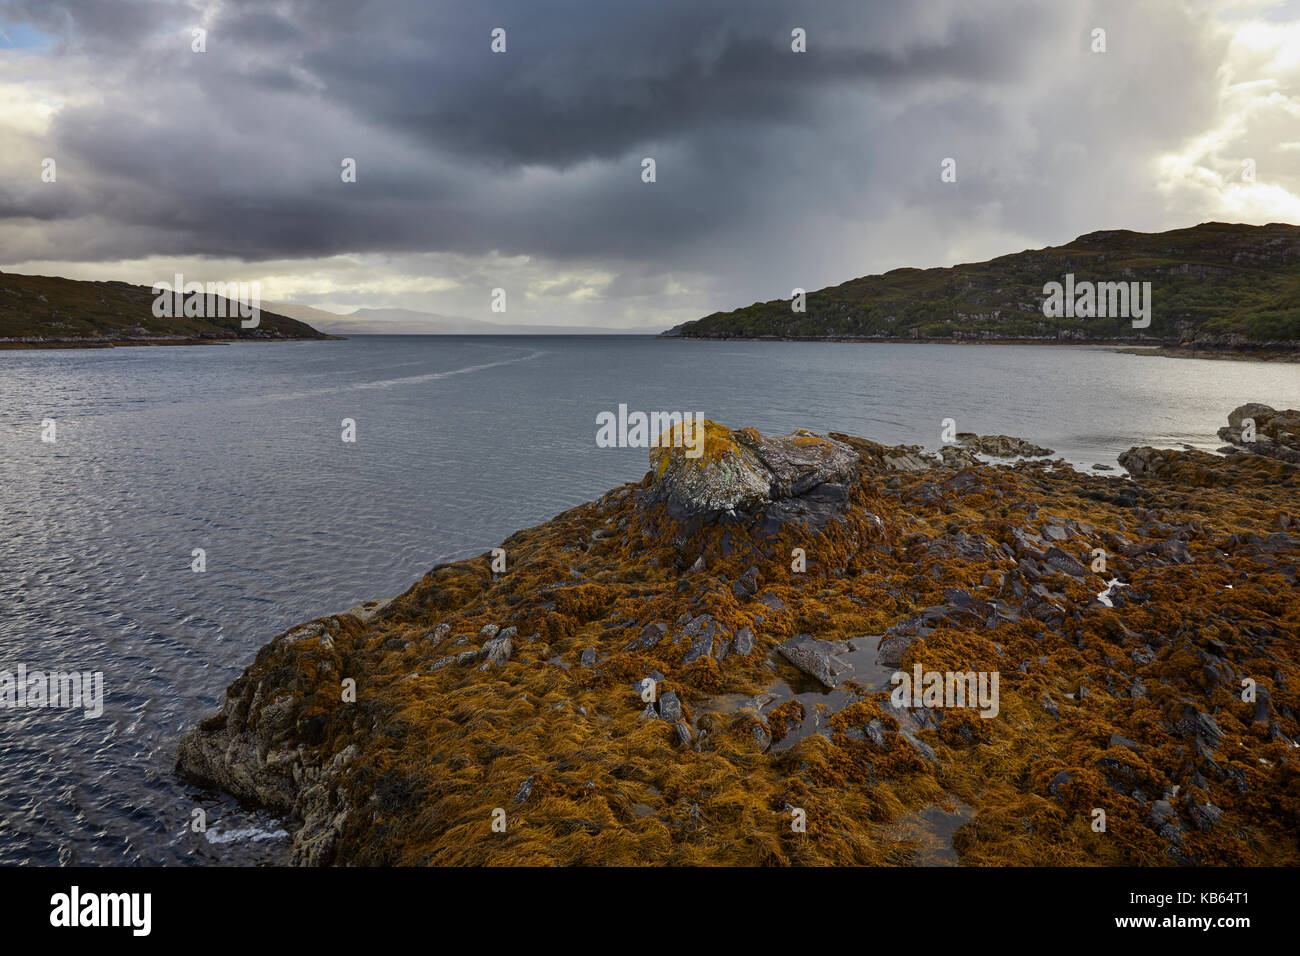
(236, 152)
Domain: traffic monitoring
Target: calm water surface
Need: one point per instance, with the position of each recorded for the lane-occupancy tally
(460, 442)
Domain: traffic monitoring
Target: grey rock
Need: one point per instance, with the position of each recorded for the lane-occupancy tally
(702, 646)
(525, 790)
(650, 637)
(497, 651)
(817, 659)
(588, 658)
(746, 585)
(891, 650)
(876, 733)
(744, 640)
(1205, 816)
(670, 707)
(1058, 781)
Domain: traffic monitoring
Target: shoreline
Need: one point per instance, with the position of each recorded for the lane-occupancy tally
(11, 346)
(1122, 346)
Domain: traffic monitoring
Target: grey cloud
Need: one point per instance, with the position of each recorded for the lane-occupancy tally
(770, 165)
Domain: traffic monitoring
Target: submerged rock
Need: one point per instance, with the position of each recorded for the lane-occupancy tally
(817, 659)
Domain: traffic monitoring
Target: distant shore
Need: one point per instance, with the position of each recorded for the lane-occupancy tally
(1125, 346)
(127, 343)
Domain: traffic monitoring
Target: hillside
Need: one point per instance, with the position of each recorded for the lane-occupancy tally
(1213, 285)
(38, 311)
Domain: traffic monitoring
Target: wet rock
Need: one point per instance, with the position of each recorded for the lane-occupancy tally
(892, 649)
(489, 631)
(525, 790)
(588, 658)
(1001, 446)
(772, 601)
(1050, 706)
(744, 641)
(684, 735)
(817, 659)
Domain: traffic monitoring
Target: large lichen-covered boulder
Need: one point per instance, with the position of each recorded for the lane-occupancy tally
(743, 470)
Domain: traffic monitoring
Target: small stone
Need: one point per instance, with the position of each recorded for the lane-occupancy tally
(588, 658)
(876, 733)
(525, 790)
(670, 707)
(1060, 780)
(489, 630)
(746, 585)
(744, 640)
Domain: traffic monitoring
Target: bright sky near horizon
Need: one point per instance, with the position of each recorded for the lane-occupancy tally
(522, 169)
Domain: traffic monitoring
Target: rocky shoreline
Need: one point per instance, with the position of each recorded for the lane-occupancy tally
(699, 668)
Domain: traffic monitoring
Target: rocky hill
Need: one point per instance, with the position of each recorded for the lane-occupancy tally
(703, 667)
(1213, 285)
(47, 311)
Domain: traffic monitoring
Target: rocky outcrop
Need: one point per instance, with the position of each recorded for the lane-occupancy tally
(657, 680)
(1276, 434)
(1001, 446)
(743, 470)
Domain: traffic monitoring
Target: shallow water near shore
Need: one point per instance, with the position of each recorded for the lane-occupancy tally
(460, 442)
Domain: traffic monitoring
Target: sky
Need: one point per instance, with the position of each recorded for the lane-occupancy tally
(524, 170)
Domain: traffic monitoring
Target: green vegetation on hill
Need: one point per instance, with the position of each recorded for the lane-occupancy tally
(46, 310)
(1216, 284)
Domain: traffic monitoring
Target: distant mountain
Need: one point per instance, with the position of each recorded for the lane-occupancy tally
(1216, 285)
(411, 322)
(43, 311)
